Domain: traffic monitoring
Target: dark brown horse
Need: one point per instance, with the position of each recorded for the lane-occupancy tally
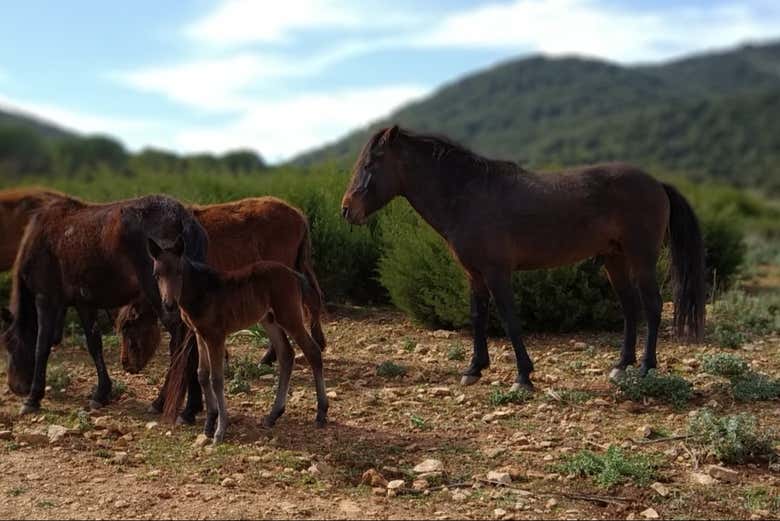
(215, 303)
(240, 233)
(90, 256)
(17, 206)
(497, 218)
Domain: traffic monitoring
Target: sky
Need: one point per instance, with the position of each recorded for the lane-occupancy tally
(282, 77)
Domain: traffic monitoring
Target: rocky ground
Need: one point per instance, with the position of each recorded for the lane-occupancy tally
(411, 446)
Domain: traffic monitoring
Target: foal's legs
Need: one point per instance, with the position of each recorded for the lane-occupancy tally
(619, 276)
(216, 354)
(50, 317)
(204, 379)
(286, 358)
(269, 357)
(651, 300)
(313, 354)
(500, 285)
(480, 300)
(102, 394)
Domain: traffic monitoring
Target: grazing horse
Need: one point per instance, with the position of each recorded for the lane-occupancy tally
(90, 256)
(240, 233)
(497, 218)
(17, 206)
(216, 303)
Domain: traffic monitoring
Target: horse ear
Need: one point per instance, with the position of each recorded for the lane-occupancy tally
(154, 249)
(178, 246)
(390, 135)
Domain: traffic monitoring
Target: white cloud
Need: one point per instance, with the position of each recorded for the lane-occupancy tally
(590, 28)
(279, 129)
(237, 22)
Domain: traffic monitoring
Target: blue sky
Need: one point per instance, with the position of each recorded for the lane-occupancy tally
(282, 77)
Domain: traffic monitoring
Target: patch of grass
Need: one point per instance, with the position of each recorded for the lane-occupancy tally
(240, 371)
(81, 420)
(750, 387)
(759, 498)
(45, 503)
(110, 341)
(456, 353)
(118, 389)
(739, 317)
(611, 468)
(731, 439)
(258, 334)
(58, 378)
(501, 397)
(418, 422)
(409, 345)
(103, 453)
(724, 364)
(390, 369)
(569, 396)
(671, 389)
(238, 386)
(16, 491)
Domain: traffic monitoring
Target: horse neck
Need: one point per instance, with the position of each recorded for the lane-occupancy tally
(197, 285)
(427, 190)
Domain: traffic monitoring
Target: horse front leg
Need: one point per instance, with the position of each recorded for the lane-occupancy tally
(500, 285)
(102, 393)
(480, 359)
(50, 317)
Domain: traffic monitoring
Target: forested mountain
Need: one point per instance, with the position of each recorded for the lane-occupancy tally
(714, 115)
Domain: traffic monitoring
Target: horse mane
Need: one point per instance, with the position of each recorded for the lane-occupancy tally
(444, 150)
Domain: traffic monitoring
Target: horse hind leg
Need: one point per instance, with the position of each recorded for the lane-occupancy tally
(286, 359)
(313, 354)
(204, 379)
(50, 323)
(620, 278)
(652, 303)
(102, 393)
(217, 365)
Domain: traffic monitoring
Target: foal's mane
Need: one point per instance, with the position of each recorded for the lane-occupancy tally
(444, 150)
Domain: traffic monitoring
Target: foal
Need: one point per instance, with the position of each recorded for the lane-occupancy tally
(214, 304)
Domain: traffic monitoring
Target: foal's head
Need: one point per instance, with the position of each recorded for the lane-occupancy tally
(375, 177)
(139, 333)
(168, 271)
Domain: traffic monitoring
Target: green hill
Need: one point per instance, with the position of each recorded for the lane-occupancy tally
(44, 129)
(709, 116)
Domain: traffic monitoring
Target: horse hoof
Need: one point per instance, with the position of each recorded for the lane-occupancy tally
(617, 374)
(184, 420)
(154, 408)
(517, 386)
(29, 409)
(467, 379)
(268, 422)
(321, 422)
(94, 405)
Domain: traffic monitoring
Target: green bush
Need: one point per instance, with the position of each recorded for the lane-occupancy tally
(612, 468)
(738, 317)
(390, 369)
(724, 246)
(499, 397)
(724, 364)
(732, 439)
(666, 388)
(751, 387)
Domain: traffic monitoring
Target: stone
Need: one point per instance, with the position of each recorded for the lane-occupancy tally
(201, 441)
(228, 483)
(333, 395)
(119, 458)
(441, 333)
(429, 465)
(374, 478)
(319, 469)
(649, 513)
(420, 484)
(645, 431)
(395, 484)
(459, 495)
(723, 474)
(6, 435)
(494, 452)
(440, 391)
(661, 489)
(501, 477)
(499, 513)
(551, 503)
(32, 438)
(151, 425)
(460, 399)
(580, 345)
(700, 478)
(56, 433)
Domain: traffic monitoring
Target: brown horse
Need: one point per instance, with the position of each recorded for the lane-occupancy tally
(214, 304)
(90, 256)
(17, 206)
(497, 217)
(240, 233)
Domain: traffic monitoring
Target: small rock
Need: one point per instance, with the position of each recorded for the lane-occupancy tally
(228, 483)
(395, 484)
(650, 513)
(374, 478)
(120, 503)
(429, 465)
(440, 391)
(319, 469)
(151, 425)
(119, 458)
(551, 503)
(645, 431)
(580, 345)
(723, 474)
(494, 452)
(702, 479)
(459, 495)
(420, 484)
(498, 476)
(661, 489)
(460, 399)
(56, 433)
(441, 333)
(333, 395)
(499, 513)
(201, 441)
(6, 435)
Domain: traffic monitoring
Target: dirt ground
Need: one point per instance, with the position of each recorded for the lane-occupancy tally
(122, 465)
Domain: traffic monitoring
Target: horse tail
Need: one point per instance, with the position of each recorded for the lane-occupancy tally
(312, 293)
(687, 248)
(176, 382)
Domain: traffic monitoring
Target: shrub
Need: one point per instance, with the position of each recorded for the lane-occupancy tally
(739, 317)
(667, 388)
(118, 389)
(725, 247)
(390, 369)
(58, 378)
(499, 397)
(750, 387)
(732, 439)
(456, 353)
(724, 364)
(611, 468)
(240, 371)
